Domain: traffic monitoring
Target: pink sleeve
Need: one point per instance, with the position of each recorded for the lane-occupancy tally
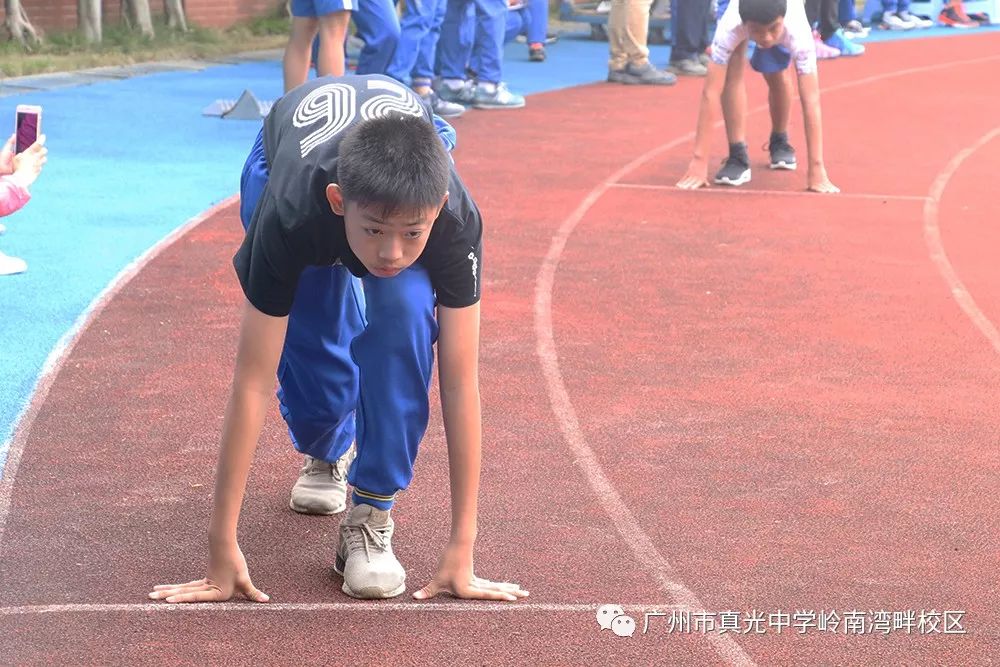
(12, 196)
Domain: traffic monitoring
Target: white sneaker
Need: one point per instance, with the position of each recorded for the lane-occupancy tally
(11, 265)
(364, 555)
(914, 20)
(322, 487)
(892, 21)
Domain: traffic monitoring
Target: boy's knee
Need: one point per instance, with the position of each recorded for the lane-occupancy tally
(405, 302)
(304, 28)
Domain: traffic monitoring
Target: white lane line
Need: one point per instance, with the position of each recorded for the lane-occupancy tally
(624, 521)
(53, 363)
(935, 247)
(256, 607)
(743, 191)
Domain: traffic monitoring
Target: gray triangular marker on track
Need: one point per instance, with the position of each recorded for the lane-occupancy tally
(246, 108)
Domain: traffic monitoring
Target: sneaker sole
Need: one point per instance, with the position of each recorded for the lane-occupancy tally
(370, 593)
(786, 166)
(743, 178)
(302, 509)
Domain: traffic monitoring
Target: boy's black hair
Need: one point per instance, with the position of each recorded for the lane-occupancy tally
(396, 162)
(763, 12)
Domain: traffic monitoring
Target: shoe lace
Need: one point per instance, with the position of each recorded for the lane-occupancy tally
(772, 144)
(337, 471)
(365, 536)
(733, 160)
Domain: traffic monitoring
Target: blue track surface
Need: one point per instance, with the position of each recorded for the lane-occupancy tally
(132, 160)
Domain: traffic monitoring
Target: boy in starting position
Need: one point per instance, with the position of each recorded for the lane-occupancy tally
(782, 34)
(349, 180)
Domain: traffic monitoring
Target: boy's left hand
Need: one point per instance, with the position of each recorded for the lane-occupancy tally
(455, 576)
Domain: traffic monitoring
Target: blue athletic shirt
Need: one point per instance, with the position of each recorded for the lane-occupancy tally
(293, 227)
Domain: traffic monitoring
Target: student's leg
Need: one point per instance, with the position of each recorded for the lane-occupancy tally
(538, 21)
(734, 97)
(395, 356)
(332, 33)
(779, 100)
(295, 62)
(687, 29)
(774, 64)
(736, 168)
(632, 29)
(491, 24)
(416, 23)
(423, 72)
(829, 18)
(516, 23)
(378, 26)
(318, 379)
(453, 50)
(812, 12)
(318, 390)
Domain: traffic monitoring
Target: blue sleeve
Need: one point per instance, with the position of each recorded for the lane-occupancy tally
(446, 132)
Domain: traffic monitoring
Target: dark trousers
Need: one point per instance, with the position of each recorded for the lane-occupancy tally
(689, 20)
(826, 13)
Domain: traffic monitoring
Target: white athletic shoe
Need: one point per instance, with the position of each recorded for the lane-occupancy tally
(364, 555)
(322, 487)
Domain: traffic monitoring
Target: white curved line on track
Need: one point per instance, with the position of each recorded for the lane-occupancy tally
(932, 236)
(59, 354)
(621, 516)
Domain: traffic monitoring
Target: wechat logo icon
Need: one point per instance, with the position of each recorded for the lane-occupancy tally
(612, 617)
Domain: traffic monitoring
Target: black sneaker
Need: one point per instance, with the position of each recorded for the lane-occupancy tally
(782, 153)
(536, 53)
(736, 168)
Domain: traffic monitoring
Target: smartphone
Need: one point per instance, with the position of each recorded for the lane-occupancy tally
(28, 126)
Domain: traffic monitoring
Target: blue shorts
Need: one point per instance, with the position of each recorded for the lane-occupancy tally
(314, 8)
(770, 61)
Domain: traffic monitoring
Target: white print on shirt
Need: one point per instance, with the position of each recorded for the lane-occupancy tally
(401, 101)
(475, 272)
(335, 105)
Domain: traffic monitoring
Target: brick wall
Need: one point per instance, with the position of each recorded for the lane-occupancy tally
(223, 13)
(60, 15)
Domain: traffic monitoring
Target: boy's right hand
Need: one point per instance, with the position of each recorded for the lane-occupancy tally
(696, 176)
(227, 574)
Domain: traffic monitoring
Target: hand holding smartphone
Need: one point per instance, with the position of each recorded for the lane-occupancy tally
(27, 126)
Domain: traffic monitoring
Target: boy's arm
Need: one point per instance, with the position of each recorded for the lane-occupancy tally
(809, 92)
(458, 353)
(711, 99)
(261, 339)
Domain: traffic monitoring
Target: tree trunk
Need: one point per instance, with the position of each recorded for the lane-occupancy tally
(89, 19)
(139, 12)
(175, 15)
(19, 26)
